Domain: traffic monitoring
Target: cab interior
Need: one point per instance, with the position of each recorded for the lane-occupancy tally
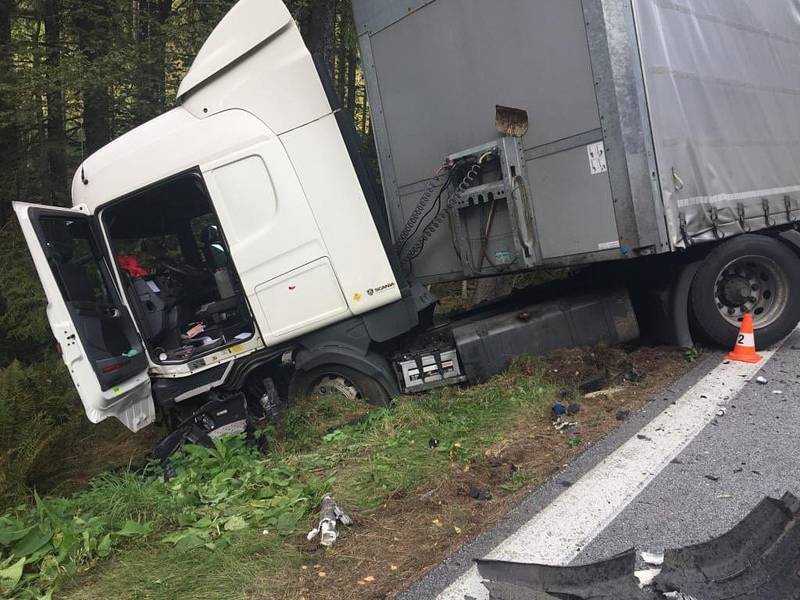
(176, 270)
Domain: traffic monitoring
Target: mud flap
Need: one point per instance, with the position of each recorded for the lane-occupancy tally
(758, 559)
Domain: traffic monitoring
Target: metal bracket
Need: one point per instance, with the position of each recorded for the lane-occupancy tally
(520, 206)
(787, 202)
(687, 239)
(482, 194)
(512, 189)
(742, 218)
(767, 212)
(720, 235)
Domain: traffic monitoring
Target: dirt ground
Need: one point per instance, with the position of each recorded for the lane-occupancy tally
(390, 548)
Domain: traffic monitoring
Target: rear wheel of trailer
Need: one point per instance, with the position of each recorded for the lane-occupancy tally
(748, 274)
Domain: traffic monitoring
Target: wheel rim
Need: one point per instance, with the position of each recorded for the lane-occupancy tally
(328, 385)
(755, 285)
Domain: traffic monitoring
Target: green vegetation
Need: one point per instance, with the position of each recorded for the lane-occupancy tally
(693, 354)
(215, 492)
(229, 511)
(574, 442)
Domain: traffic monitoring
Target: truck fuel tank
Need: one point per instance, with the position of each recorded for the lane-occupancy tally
(488, 346)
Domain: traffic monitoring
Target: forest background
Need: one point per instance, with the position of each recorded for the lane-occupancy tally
(74, 75)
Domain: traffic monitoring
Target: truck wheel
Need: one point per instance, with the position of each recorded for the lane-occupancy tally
(336, 379)
(750, 273)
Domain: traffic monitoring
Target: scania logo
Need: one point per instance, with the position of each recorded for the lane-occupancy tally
(379, 289)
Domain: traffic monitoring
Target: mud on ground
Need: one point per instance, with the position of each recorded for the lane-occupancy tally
(390, 548)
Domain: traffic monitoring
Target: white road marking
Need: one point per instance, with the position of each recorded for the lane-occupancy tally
(558, 533)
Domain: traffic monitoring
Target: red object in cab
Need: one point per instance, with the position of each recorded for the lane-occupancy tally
(130, 264)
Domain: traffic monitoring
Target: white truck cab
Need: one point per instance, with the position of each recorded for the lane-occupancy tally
(232, 224)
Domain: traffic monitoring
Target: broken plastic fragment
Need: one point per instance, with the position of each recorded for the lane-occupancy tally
(653, 558)
(330, 515)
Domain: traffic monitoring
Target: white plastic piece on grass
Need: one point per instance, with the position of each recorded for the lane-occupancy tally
(647, 577)
(653, 558)
(330, 514)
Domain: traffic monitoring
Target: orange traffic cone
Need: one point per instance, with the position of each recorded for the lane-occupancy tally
(745, 349)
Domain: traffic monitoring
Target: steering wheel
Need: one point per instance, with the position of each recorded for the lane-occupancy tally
(183, 271)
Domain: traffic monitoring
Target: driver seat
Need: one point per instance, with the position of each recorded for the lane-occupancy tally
(217, 260)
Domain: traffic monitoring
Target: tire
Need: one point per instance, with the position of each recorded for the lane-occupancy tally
(754, 265)
(349, 382)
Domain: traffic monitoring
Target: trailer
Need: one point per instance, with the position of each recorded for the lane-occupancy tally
(233, 254)
(654, 126)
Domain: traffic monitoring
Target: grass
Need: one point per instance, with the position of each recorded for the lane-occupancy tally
(230, 515)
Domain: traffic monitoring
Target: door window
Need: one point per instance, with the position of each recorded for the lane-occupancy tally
(72, 257)
(102, 323)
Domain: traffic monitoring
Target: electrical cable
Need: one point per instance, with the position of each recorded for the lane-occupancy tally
(436, 203)
(419, 209)
(437, 221)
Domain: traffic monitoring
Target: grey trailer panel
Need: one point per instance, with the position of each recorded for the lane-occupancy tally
(574, 207)
(723, 82)
(444, 68)
(435, 75)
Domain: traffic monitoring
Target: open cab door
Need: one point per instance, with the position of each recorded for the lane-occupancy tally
(95, 332)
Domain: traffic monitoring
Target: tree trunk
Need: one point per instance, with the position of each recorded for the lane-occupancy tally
(321, 29)
(9, 145)
(40, 185)
(93, 25)
(352, 66)
(151, 88)
(341, 59)
(364, 113)
(56, 184)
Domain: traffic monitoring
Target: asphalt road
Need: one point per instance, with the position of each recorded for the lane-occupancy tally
(749, 453)
(662, 490)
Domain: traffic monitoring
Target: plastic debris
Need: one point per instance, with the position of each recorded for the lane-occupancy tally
(762, 380)
(609, 392)
(558, 410)
(593, 384)
(480, 494)
(653, 558)
(632, 376)
(721, 412)
(330, 515)
(562, 424)
(647, 577)
(756, 559)
(777, 392)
